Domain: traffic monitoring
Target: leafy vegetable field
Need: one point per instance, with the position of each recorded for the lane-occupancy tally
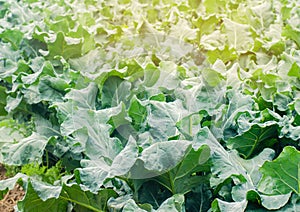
(151, 105)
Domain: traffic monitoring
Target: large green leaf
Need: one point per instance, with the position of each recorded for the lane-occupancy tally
(27, 150)
(186, 175)
(97, 141)
(263, 15)
(162, 118)
(244, 173)
(292, 34)
(85, 200)
(151, 75)
(51, 204)
(57, 198)
(83, 98)
(225, 164)
(66, 47)
(13, 36)
(254, 140)
(95, 172)
(239, 103)
(281, 176)
(159, 158)
(238, 35)
(115, 91)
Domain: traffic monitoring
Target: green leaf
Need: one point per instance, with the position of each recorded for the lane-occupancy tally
(47, 92)
(292, 34)
(51, 204)
(3, 97)
(239, 104)
(199, 198)
(238, 36)
(45, 191)
(89, 64)
(263, 14)
(162, 118)
(214, 6)
(297, 106)
(190, 125)
(93, 174)
(98, 143)
(151, 75)
(185, 176)
(198, 96)
(228, 165)
(12, 103)
(222, 206)
(251, 167)
(132, 206)
(282, 101)
(27, 150)
(258, 137)
(168, 77)
(85, 200)
(183, 32)
(10, 133)
(61, 23)
(206, 25)
(294, 71)
(96, 171)
(293, 205)
(225, 55)
(162, 156)
(174, 203)
(42, 91)
(225, 164)
(115, 91)
(137, 112)
(281, 176)
(110, 90)
(118, 203)
(88, 42)
(213, 41)
(64, 46)
(159, 158)
(288, 129)
(274, 202)
(9, 184)
(151, 193)
(83, 98)
(212, 77)
(123, 162)
(12, 36)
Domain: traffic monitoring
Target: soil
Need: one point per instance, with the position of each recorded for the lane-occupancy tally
(12, 197)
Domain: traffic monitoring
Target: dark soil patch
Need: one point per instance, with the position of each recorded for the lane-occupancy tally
(12, 197)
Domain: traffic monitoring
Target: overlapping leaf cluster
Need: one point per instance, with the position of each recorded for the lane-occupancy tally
(151, 106)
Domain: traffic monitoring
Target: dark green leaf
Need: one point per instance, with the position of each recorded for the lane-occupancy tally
(254, 140)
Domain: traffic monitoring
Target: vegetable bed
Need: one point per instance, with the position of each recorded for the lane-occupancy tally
(151, 105)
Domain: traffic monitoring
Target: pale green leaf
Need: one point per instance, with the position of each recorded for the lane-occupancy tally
(27, 150)
(238, 36)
